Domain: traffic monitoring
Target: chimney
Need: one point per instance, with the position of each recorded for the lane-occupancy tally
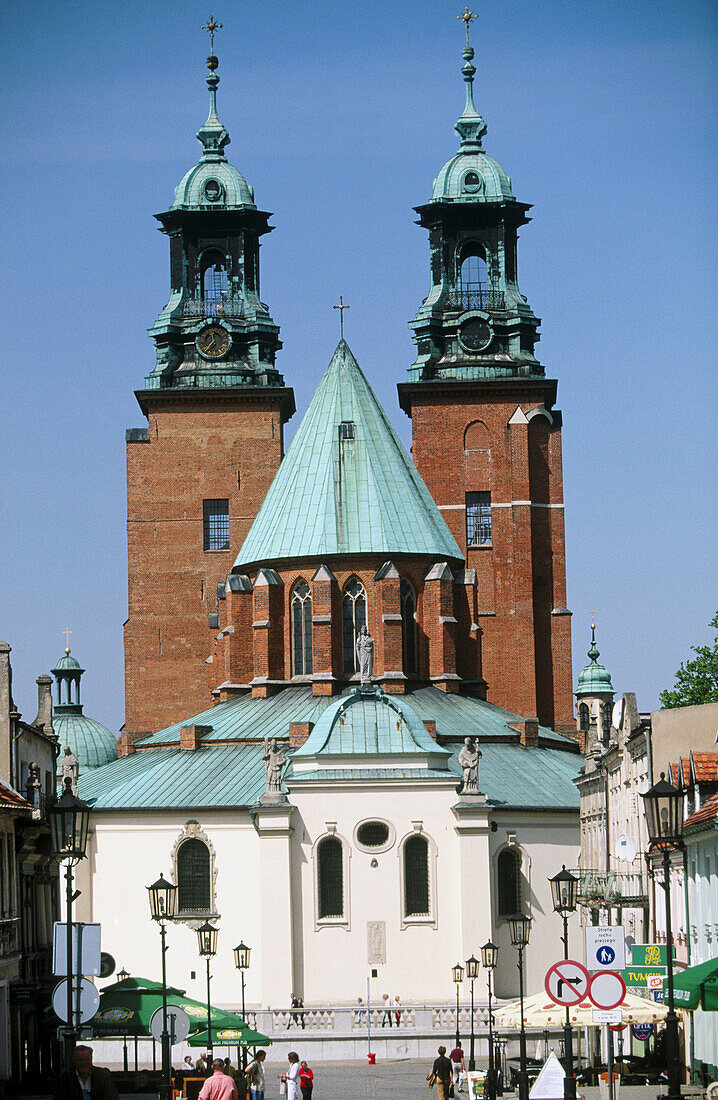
(126, 744)
(44, 704)
(191, 737)
(298, 733)
(430, 727)
(529, 730)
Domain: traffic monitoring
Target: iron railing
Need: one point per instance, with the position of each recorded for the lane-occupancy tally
(476, 296)
(215, 307)
(611, 887)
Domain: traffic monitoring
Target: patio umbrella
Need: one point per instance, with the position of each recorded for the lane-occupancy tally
(230, 1036)
(540, 1011)
(696, 987)
(127, 1007)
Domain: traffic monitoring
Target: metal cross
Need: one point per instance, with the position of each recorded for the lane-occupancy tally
(467, 16)
(341, 307)
(67, 634)
(211, 26)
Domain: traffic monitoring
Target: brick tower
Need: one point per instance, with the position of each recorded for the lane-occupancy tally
(215, 407)
(486, 435)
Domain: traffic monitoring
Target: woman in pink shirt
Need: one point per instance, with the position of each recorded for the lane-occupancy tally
(219, 1086)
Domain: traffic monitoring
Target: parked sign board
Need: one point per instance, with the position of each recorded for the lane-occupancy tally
(639, 975)
(649, 954)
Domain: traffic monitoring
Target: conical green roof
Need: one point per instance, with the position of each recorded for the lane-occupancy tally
(594, 678)
(346, 485)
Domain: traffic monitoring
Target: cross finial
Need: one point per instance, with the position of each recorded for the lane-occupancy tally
(341, 307)
(467, 16)
(211, 26)
(67, 634)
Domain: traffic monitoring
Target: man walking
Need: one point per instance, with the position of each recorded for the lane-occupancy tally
(458, 1066)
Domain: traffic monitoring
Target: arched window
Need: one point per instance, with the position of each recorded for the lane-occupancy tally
(473, 278)
(330, 878)
(193, 877)
(353, 619)
(408, 627)
(606, 718)
(416, 877)
(301, 608)
(584, 717)
(508, 871)
(214, 277)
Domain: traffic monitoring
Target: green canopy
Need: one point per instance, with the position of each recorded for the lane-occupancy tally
(230, 1037)
(127, 1007)
(696, 987)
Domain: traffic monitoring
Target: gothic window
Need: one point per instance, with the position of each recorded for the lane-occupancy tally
(416, 877)
(330, 878)
(408, 627)
(301, 607)
(473, 278)
(214, 277)
(508, 871)
(584, 717)
(215, 524)
(606, 718)
(478, 519)
(353, 619)
(193, 877)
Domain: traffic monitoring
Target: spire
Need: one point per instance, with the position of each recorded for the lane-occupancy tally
(593, 652)
(594, 678)
(470, 126)
(212, 135)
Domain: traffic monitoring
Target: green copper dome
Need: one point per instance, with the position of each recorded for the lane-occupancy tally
(594, 679)
(92, 743)
(66, 661)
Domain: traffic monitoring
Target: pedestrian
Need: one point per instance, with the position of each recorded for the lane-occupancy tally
(300, 1006)
(85, 1080)
(187, 1067)
(441, 1075)
(306, 1081)
(229, 1068)
(386, 1009)
(397, 1009)
(255, 1076)
(360, 1011)
(457, 1062)
(201, 1064)
(219, 1086)
(297, 1003)
(290, 1079)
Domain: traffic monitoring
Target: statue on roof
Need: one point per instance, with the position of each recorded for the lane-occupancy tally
(69, 769)
(274, 761)
(365, 655)
(469, 760)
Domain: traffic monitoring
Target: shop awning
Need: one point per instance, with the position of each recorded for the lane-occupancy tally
(696, 987)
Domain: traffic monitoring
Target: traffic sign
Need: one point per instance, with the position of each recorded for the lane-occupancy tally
(567, 982)
(606, 989)
(605, 947)
(178, 1024)
(642, 1032)
(89, 999)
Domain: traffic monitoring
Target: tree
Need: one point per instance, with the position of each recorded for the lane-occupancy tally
(697, 680)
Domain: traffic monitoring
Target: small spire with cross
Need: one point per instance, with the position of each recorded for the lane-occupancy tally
(467, 16)
(211, 26)
(341, 307)
(67, 634)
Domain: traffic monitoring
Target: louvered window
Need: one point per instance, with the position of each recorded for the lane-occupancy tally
(416, 877)
(193, 870)
(583, 716)
(330, 878)
(509, 892)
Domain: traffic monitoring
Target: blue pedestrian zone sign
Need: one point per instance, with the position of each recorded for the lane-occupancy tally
(605, 955)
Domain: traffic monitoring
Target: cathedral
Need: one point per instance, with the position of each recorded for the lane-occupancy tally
(349, 735)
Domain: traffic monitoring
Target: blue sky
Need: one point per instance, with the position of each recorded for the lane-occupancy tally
(341, 114)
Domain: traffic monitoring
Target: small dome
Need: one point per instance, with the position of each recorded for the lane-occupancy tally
(213, 184)
(594, 679)
(92, 743)
(472, 176)
(67, 662)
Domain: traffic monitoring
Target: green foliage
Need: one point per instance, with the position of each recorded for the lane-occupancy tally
(696, 680)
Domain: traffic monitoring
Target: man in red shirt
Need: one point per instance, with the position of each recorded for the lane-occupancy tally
(219, 1086)
(457, 1065)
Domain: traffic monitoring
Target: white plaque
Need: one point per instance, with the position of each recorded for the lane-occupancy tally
(607, 1016)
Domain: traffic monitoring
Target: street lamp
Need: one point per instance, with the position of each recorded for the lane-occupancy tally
(163, 906)
(70, 820)
(207, 937)
(457, 973)
(564, 893)
(123, 975)
(472, 973)
(241, 961)
(520, 929)
(663, 804)
(489, 958)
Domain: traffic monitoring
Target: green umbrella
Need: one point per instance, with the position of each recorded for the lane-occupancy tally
(127, 1007)
(696, 987)
(230, 1036)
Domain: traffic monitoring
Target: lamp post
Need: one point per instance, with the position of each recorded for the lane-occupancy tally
(207, 937)
(70, 819)
(663, 804)
(457, 973)
(241, 961)
(564, 894)
(122, 976)
(472, 973)
(163, 906)
(520, 929)
(489, 958)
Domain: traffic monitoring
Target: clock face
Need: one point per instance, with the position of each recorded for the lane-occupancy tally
(213, 342)
(475, 334)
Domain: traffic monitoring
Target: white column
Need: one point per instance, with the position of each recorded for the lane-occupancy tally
(473, 828)
(273, 823)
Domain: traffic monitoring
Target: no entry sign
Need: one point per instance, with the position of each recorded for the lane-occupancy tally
(606, 989)
(567, 982)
